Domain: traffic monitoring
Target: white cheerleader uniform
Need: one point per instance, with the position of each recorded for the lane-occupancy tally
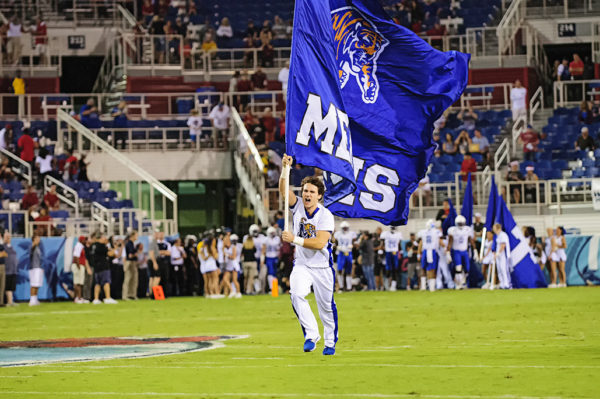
(231, 265)
(489, 254)
(560, 255)
(208, 265)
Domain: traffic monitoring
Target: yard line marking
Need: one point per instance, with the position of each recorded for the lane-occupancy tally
(291, 395)
(390, 365)
(68, 371)
(257, 358)
(16, 376)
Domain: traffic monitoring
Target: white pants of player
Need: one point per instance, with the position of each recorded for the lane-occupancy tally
(322, 280)
(443, 274)
(503, 272)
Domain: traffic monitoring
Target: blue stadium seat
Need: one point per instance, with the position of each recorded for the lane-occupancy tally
(588, 163)
(592, 172)
(62, 214)
(560, 164)
(577, 173)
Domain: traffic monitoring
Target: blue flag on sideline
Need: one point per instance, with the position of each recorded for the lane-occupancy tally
(449, 221)
(467, 205)
(362, 98)
(491, 208)
(524, 272)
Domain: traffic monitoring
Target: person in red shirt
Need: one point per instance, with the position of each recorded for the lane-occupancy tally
(43, 228)
(530, 139)
(51, 199)
(468, 165)
(41, 40)
(30, 198)
(26, 146)
(576, 67)
(71, 164)
(270, 125)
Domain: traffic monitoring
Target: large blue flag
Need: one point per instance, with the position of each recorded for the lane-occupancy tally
(491, 208)
(449, 221)
(467, 205)
(362, 98)
(524, 272)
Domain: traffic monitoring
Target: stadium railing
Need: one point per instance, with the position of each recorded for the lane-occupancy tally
(536, 103)
(561, 8)
(486, 96)
(570, 93)
(31, 61)
(64, 193)
(86, 138)
(18, 166)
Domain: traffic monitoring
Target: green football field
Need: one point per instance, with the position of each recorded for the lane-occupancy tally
(467, 344)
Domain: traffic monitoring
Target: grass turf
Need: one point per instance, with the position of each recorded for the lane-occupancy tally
(477, 344)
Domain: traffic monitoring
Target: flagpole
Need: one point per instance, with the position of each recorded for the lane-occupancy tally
(286, 202)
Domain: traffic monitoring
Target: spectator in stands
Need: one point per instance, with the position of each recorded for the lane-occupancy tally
(270, 124)
(530, 189)
(424, 192)
(436, 140)
(417, 26)
(70, 168)
(576, 68)
(26, 147)
(244, 85)
(530, 139)
(518, 101)
(440, 123)
(130, 269)
(209, 45)
(449, 147)
(6, 134)
(119, 114)
(180, 27)
(252, 31)
(249, 43)
(195, 122)
(443, 213)
(30, 199)
(283, 77)
(157, 27)
(11, 265)
(6, 173)
(562, 73)
(267, 55)
(437, 30)
(147, 10)
(18, 87)
(163, 8)
(219, 117)
(36, 273)
(82, 165)
(233, 83)
(585, 141)
(88, 115)
(586, 114)
(265, 35)
(469, 165)
(468, 118)
(259, 80)
(463, 141)
(43, 228)
(273, 173)
(479, 143)
(51, 199)
(279, 29)
(14, 46)
(225, 31)
(514, 174)
(43, 162)
(100, 254)
(40, 32)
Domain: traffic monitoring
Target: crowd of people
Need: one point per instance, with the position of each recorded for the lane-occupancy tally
(221, 265)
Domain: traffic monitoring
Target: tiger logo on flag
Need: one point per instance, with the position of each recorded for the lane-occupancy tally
(358, 46)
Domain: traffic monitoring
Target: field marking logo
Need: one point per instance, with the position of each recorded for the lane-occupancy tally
(31, 353)
(358, 46)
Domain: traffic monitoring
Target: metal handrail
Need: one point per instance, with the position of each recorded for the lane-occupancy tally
(536, 102)
(502, 154)
(74, 203)
(125, 161)
(27, 174)
(561, 89)
(102, 215)
(518, 128)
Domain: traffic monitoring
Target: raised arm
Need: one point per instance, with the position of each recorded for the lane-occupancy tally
(286, 160)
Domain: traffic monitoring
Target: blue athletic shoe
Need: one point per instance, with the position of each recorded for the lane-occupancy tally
(310, 345)
(327, 351)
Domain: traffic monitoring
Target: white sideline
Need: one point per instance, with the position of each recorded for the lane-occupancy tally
(290, 395)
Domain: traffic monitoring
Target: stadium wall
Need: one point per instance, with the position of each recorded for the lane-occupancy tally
(166, 166)
(583, 257)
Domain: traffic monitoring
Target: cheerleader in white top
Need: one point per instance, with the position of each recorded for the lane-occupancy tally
(488, 257)
(549, 250)
(559, 255)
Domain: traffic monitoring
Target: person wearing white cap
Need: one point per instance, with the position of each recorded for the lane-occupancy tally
(514, 174)
(478, 229)
(530, 189)
(584, 141)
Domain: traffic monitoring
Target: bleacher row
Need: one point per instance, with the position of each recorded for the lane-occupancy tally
(562, 131)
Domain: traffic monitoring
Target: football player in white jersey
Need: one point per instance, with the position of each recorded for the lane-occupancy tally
(345, 242)
(502, 257)
(391, 239)
(428, 251)
(272, 243)
(313, 225)
(459, 238)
